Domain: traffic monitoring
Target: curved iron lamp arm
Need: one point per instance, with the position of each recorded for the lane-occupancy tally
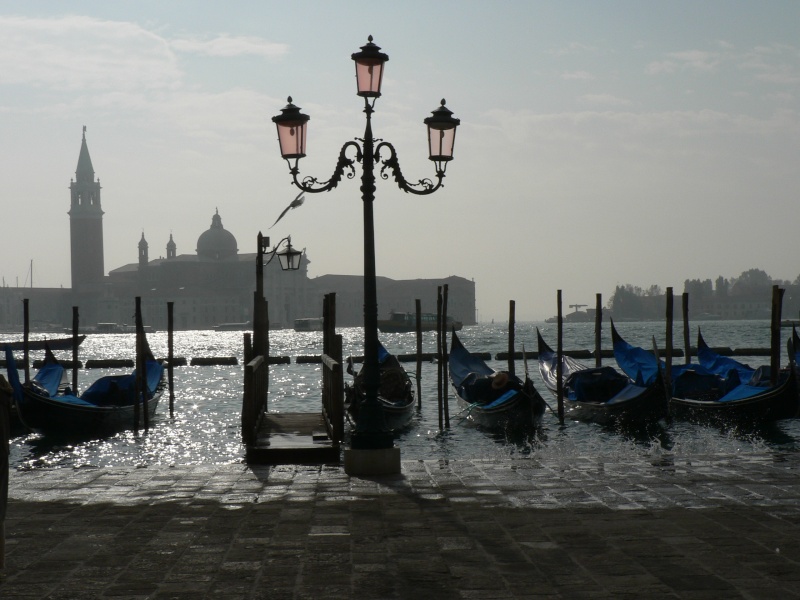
(308, 183)
(426, 186)
(272, 253)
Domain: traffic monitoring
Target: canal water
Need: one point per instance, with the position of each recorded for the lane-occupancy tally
(205, 426)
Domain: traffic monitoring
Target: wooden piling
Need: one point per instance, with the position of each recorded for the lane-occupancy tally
(418, 305)
(138, 388)
(445, 364)
(170, 354)
(775, 335)
(598, 330)
(440, 356)
(511, 324)
(559, 361)
(26, 329)
(687, 345)
(668, 357)
(75, 343)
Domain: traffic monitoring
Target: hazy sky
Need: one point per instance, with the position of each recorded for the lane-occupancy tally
(602, 143)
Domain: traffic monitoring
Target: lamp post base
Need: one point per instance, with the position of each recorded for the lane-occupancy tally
(382, 461)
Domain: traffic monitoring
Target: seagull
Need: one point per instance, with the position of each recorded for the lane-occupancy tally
(294, 204)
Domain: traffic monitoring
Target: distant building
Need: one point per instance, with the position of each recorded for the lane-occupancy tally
(215, 285)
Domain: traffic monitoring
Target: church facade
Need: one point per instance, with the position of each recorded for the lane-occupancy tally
(212, 286)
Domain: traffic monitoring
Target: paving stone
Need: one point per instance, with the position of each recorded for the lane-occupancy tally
(519, 528)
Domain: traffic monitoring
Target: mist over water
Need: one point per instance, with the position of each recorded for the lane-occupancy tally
(205, 428)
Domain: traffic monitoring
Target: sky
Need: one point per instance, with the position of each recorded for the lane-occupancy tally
(601, 143)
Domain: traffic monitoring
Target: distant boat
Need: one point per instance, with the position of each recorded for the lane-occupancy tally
(119, 328)
(64, 343)
(233, 326)
(308, 324)
(403, 322)
(577, 316)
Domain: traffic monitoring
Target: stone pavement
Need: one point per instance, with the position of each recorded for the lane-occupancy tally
(515, 528)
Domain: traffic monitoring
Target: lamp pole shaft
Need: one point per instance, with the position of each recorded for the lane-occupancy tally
(258, 299)
(370, 432)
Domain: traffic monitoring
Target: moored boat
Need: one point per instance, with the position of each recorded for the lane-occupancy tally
(600, 394)
(108, 405)
(717, 394)
(395, 394)
(490, 398)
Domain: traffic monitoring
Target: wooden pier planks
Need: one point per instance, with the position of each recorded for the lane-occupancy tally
(293, 438)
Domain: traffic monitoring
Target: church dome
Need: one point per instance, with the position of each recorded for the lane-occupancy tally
(217, 243)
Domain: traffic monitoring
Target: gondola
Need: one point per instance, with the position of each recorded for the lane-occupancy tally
(701, 395)
(64, 343)
(395, 394)
(105, 407)
(514, 404)
(600, 394)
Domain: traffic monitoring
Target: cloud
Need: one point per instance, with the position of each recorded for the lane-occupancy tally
(578, 75)
(605, 99)
(227, 46)
(573, 49)
(697, 60)
(84, 53)
(777, 64)
(89, 54)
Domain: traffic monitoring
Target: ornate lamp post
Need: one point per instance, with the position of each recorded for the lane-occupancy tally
(370, 432)
(289, 259)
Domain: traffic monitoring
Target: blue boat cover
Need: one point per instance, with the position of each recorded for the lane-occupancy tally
(721, 365)
(462, 364)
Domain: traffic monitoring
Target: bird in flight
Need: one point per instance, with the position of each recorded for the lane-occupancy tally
(293, 204)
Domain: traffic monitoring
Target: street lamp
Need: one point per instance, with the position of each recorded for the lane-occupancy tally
(370, 431)
(289, 259)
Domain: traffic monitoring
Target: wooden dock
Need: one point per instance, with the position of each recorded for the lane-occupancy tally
(293, 438)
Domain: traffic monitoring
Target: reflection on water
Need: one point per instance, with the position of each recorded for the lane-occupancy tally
(205, 425)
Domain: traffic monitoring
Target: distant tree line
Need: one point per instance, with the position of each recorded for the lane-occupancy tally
(747, 296)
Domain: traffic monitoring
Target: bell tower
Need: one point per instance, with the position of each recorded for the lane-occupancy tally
(85, 223)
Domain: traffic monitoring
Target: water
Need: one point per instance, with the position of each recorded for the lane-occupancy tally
(205, 428)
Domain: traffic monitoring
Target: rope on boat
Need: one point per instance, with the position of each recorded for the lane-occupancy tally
(467, 409)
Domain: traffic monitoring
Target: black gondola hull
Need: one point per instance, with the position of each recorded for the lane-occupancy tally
(54, 418)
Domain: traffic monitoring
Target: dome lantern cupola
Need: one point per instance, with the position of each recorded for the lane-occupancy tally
(216, 242)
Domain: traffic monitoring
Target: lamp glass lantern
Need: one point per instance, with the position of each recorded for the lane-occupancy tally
(291, 124)
(289, 258)
(369, 69)
(441, 135)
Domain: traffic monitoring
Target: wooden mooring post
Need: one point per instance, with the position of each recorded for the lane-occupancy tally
(332, 372)
(440, 352)
(598, 330)
(560, 361)
(445, 365)
(775, 334)
(668, 336)
(511, 325)
(687, 345)
(170, 356)
(26, 328)
(75, 344)
(418, 306)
